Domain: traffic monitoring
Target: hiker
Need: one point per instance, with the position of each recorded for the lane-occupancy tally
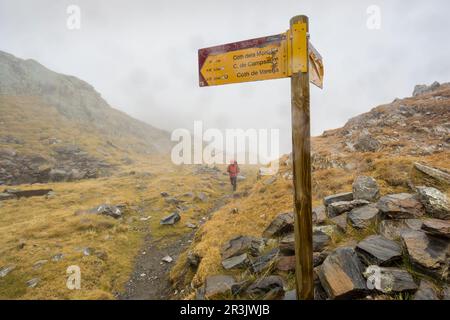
(233, 170)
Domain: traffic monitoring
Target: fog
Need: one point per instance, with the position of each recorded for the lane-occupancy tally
(142, 55)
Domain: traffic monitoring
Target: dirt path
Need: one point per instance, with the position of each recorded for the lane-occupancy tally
(150, 278)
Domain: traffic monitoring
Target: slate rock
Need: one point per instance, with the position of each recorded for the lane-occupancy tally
(263, 262)
(265, 284)
(171, 219)
(282, 224)
(287, 244)
(363, 217)
(341, 274)
(378, 250)
(201, 197)
(340, 207)
(392, 229)
(218, 285)
(319, 215)
(242, 244)
(366, 188)
(437, 227)
(341, 222)
(236, 262)
(4, 271)
(320, 241)
(319, 258)
(290, 295)
(426, 291)
(436, 203)
(286, 263)
(427, 253)
(400, 206)
(389, 280)
(346, 196)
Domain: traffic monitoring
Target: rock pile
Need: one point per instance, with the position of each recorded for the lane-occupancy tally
(405, 232)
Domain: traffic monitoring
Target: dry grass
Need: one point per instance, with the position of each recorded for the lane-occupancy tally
(49, 227)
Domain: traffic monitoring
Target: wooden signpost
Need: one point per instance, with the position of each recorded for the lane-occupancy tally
(280, 56)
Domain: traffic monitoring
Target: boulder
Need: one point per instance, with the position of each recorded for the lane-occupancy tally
(242, 244)
(346, 196)
(341, 222)
(236, 262)
(389, 280)
(436, 227)
(218, 285)
(319, 258)
(435, 202)
(340, 207)
(282, 224)
(264, 285)
(392, 229)
(287, 244)
(427, 253)
(366, 188)
(427, 291)
(265, 261)
(378, 250)
(341, 274)
(363, 217)
(286, 263)
(366, 143)
(320, 240)
(319, 215)
(400, 206)
(171, 219)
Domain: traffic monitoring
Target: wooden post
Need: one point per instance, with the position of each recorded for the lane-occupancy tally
(301, 159)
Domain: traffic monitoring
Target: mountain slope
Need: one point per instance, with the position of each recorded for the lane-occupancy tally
(50, 116)
(384, 143)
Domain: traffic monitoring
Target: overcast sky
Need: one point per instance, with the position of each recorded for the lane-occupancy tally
(142, 55)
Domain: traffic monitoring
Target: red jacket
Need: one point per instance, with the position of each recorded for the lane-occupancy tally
(233, 170)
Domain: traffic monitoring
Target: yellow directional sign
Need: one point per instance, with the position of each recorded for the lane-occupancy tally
(263, 58)
(251, 60)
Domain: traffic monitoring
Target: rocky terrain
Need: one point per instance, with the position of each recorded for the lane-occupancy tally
(381, 216)
(55, 127)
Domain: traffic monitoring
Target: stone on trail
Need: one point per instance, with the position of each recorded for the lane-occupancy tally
(218, 285)
(427, 253)
(167, 259)
(346, 196)
(427, 291)
(171, 219)
(366, 188)
(436, 203)
(286, 263)
(193, 259)
(436, 227)
(32, 282)
(319, 215)
(341, 274)
(340, 207)
(265, 284)
(236, 262)
(363, 217)
(401, 206)
(378, 250)
(392, 229)
(320, 240)
(242, 244)
(282, 224)
(389, 280)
